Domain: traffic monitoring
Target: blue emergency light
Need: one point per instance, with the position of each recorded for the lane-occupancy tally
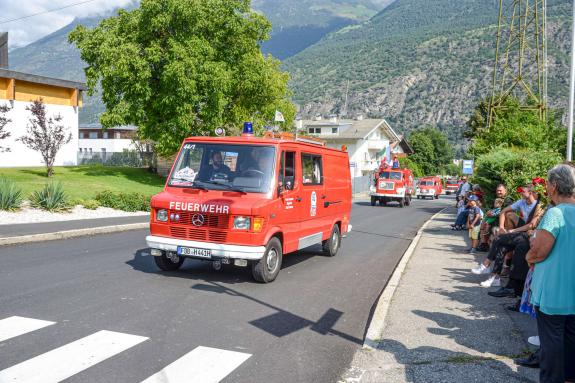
(248, 129)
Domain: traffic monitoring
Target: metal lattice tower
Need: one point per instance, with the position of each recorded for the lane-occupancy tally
(520, 57)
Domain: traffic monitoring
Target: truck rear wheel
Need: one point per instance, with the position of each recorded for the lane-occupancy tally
(333, 243)
(167, 264)
(437, 196)
(408, 200)
(402, 202)
(267, 269)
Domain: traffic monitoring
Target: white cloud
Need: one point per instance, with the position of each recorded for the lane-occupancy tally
(28, 30)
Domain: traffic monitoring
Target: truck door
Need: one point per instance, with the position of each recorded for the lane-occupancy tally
(312, 194)
(290, 207)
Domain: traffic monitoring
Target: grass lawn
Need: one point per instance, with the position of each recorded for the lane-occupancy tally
(84, 182)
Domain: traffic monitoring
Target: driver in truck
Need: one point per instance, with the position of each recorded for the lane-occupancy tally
(217, 168)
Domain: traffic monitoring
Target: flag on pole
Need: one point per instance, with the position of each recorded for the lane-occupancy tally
(279, 117)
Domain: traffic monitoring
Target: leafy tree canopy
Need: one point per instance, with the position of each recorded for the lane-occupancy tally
(177, 68)
(514, 128)
(433, 153)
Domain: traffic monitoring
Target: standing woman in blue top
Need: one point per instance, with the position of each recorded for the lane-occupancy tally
(553, 285)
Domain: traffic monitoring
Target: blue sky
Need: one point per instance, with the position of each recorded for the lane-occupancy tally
(25, 31)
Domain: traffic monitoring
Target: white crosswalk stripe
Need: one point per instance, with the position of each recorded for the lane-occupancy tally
(201, 365)
(15, 326)
(70, 359)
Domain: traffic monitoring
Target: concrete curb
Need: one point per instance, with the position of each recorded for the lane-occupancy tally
(67, 234)
(377, 323)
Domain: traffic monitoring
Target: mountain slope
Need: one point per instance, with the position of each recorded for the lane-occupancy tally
(297, 24)
(417, 62)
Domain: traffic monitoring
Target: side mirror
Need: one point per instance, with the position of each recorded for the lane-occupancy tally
(288, 185)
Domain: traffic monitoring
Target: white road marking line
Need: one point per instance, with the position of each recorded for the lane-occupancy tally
(15, 326)
(70, 359)
(201, 365)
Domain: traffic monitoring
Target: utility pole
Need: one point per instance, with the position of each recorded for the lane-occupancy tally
(520, 57)
(571, 93)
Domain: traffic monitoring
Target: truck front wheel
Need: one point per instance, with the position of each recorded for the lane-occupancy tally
(332, 244)
(166, 263)
(267, 269)
(373, 200)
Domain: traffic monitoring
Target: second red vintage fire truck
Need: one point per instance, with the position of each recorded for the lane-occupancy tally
(392, 184)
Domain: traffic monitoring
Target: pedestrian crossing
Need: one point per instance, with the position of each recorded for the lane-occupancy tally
(201, 365)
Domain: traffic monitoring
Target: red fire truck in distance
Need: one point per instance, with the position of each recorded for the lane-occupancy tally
(248, 201)
(451, 186)
(429, 187)
(392, 184)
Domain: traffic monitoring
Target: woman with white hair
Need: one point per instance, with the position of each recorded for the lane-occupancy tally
(553, 284)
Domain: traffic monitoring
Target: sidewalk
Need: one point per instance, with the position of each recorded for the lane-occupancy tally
(442, 326)
(46, 231)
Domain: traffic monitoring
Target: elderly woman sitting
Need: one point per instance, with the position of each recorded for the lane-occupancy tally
(553, 283)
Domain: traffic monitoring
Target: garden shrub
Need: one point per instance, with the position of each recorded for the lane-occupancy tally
(124, 201)
(90, 204)
(512, 167)
(10, 195)
(51, 197)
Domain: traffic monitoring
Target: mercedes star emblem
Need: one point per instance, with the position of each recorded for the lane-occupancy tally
(198, 220)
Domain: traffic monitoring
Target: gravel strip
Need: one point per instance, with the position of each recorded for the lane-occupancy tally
(31, 215)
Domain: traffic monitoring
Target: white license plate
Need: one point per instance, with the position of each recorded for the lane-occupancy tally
(193, 252)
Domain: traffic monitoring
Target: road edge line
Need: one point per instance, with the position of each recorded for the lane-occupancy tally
(377, 323)
(67, 234)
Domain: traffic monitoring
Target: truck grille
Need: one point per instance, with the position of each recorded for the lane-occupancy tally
(386, 185)
(214, 228)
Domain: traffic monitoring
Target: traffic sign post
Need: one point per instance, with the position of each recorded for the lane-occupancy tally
(468, 167)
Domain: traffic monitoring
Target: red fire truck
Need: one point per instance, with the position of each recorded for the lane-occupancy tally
(248, 201)
(451, 186)
(429, 187)
(392, 184)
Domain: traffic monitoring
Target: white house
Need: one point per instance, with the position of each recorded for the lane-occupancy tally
(61, 97)
(366, 140)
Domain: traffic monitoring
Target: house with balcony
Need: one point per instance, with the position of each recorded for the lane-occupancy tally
(366, 140)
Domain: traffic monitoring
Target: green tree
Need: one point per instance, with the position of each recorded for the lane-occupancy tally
(514, 128)
(432, 150)
(424, 155)
(177, 68)
(408, 162)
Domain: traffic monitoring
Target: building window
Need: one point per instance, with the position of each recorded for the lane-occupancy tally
(314, 130)
(93, 135)
(104, 134)
(334, 130)
(90, 150)
(80, 149)
(117, 135)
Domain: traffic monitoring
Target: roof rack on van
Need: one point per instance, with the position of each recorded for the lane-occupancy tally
(291, 136)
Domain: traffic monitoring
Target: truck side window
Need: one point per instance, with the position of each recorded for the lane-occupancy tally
(312, 169)
(287, 170)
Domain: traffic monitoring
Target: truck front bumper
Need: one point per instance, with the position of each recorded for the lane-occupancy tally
(252, 253)
(381, 195)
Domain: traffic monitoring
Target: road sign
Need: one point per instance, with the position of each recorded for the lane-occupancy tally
(467, 166)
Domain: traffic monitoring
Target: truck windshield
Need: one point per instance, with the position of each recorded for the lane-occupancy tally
(390, 175)
(242, 168)
(426, 183)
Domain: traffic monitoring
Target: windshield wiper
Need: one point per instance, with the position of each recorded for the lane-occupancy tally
(194, 183)
(228, 187)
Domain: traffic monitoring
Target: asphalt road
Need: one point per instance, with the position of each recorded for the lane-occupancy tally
(304, 327)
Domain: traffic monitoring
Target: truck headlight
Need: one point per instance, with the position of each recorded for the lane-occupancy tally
(242, 223)
(162, 215)
(372, 188)
(400, 190)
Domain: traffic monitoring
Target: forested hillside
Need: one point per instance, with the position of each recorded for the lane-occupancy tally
(418, 62)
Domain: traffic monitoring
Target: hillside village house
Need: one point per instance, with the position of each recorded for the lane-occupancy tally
(366, 140)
